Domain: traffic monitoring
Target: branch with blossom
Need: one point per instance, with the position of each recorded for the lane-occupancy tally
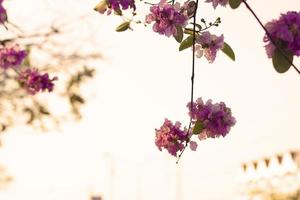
(170, 18)
(12, 58)
(23, 79)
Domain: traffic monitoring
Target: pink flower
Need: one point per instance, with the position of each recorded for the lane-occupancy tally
(193, 145)
(217, 2)
(208, 44)
(167, 17)
(170, 137)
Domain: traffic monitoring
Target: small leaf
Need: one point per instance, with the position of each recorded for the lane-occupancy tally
(118, 12)
(228, 51)
(179, 34)
(198, 128)
(123, 27)
(280, 63)
(235, 3)
(188, 31)
(199, 27)
(188, 42)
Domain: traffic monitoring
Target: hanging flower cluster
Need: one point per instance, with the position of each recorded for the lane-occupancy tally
(171, 137)
(283, 40)
(209, 120)
(215, 120)
(285, 32)
(167, 18)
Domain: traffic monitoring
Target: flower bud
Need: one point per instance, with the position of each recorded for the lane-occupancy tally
(101, 7)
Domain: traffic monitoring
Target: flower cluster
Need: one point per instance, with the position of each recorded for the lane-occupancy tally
(171, 137)
(208, 44)
(167, 17)
(3, 15)
(114, 5)
(11, 56)
(33, 81)
(215, 119)
(218, 2)
(285, 32)
(210, 120)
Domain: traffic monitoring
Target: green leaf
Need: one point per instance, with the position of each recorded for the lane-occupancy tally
(118, 12)
(198, 128)
(188, 42)
(228, 51)
(235, 3)
(280, 63)
(123, 27)
(179, 34)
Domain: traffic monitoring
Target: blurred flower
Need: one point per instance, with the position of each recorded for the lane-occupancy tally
(170, 137)
(33, 81)
(193, 145)
(11, 56)
(285, 32)
(208, 44)
(3, 14)
(216, 118)
(114, 5)
(217, 2)
(167, 17)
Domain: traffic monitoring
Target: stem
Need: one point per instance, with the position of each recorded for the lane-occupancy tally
(269, 35)
(192, 79)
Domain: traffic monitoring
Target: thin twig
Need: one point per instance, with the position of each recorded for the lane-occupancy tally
(192, 80)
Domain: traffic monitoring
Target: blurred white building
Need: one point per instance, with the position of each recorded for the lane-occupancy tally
(275, 177)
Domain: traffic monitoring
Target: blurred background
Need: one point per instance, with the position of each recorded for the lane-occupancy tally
(93, 138)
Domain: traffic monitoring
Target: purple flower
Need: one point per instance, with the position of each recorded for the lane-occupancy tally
(285, 32)
(171, 137)
(217, 2)
(208, 44)
(216, 118)
(193, 145)
(121, 4)
(11, 56)
(3, 14)
(167, 17)
(33, 81)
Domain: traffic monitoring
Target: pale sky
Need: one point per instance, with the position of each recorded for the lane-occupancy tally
(143, 79)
